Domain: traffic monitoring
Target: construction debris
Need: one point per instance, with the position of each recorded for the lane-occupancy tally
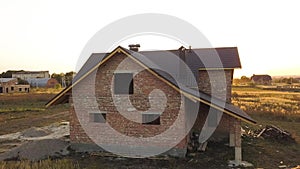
(282, 166)
(277, 134)
(297, 167)
(194, 144)
(270, 132)
(233, 163)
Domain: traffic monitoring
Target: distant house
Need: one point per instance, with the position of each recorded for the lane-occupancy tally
(24, 75)
(42, 82)
(10, 85)
(261, 79)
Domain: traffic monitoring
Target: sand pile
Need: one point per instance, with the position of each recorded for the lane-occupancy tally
(37, 150)
(38, 143)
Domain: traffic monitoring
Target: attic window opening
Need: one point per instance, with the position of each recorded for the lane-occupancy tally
(151, 119)
(97, 117)
(123, 83)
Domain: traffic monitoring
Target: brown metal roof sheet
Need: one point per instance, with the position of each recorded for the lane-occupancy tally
(228, 58)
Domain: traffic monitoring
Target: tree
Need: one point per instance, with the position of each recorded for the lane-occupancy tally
(8, 74)
(58, 77)
(245, 79)
(22, 82)
(64, 79)
(69, 77)
(57, 86)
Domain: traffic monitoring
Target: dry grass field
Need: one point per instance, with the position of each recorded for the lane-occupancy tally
(18, 112)
(270, 107)
(21, 111)
(258, 100)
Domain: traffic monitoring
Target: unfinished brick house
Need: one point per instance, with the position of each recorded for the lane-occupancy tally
(10, 85)
(261, 79)
(24, 75)
(100, 76)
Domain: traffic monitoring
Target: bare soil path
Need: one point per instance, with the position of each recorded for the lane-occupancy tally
(19, 112)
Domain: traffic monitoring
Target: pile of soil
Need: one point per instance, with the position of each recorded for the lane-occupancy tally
(34, 132)
(36, 143)
(37, 150)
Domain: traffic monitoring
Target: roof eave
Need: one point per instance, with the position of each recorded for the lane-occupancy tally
(53, 100)
(129, 54)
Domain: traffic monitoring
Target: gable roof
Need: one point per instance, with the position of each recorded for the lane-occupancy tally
(92, 61)
(5, 80)
(228, 56)
(97, 59)
(30, 72)
(38, 82)
(261, 77)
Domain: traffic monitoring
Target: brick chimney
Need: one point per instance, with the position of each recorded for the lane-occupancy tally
(134, 47)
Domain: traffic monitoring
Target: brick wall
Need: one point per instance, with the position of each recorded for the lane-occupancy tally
(210, 80)
(51, 83)
(223, 127)
(12, 87)
(144, 83)
(99, 85)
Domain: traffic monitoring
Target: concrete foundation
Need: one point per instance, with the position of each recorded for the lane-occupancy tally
(238, 154)
(89, 147)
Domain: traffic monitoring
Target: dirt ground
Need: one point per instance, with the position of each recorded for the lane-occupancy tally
(22, 112)
(214, 158)
(28, 110)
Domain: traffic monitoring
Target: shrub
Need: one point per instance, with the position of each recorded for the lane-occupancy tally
(57, 86)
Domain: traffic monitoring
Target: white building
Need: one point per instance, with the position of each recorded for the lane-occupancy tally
(31, 74)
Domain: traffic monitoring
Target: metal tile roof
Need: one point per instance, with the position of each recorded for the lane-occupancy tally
(5, 80)
(261, 77)
(92, 61)
(38, 82)
(199, 94)
(195, 59)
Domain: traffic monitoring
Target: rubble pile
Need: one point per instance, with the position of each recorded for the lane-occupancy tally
(269, 132)
(277, 134)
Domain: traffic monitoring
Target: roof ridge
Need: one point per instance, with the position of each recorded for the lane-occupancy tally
(229, 109)
(206, 48)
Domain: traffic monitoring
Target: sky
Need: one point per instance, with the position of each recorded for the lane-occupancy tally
(50, 35)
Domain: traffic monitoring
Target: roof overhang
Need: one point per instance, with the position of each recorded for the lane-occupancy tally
(228, 108)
